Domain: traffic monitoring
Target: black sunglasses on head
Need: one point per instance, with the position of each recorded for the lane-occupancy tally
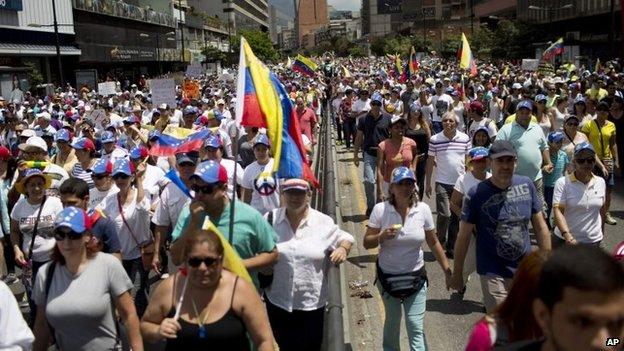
(60, 235)
(195, 262)
(206, 189)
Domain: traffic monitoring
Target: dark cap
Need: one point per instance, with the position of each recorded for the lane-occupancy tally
(185, 158)
(501, 148)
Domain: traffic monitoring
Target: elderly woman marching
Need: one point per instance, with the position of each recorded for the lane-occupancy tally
(297, 297)
(399, 226)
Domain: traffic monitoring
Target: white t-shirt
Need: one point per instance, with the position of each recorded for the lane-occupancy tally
(403, 253)
(441, 104)
(229, 167)
(172, 201)
(26, 214)
(581, 203)
(153, 180)
(15, 335)
(264, 185)
(175, 117)
(96, 197)
(137, 217)
(466, 181)
(492, 131)
(459, 112)
(360, 106)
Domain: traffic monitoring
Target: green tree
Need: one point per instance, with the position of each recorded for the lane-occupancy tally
(260, 43)
(357, 51)
(450, 45)
(34, 75)
(377, 46)
(214, 54)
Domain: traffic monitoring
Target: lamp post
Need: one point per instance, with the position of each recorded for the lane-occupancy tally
(551, 10)
(228, 10)
(57, 44)
(181, 31)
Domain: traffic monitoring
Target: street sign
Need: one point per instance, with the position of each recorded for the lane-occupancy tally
(107, 88)
(163, 91)
(15, 5)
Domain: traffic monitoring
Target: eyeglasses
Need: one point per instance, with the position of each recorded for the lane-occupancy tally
(195, 262)
(206, 189)
(60, 235)
(121, 176)
(582, 161)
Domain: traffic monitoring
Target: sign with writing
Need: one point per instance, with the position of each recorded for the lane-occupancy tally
(134, 54)
(163, 91)
(194, 70)
(15, 5)
(530, 64)
(191, 89)
(98, 117)
(86, 78)
(107, 88)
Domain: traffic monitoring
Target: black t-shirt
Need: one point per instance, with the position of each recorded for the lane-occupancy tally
(531, 345)
(375, 131)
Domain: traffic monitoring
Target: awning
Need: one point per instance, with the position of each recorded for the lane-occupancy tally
(37, 50)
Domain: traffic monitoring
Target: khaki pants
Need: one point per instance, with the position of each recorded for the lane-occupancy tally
(495, 290)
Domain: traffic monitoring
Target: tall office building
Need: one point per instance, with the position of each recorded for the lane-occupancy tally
(311, 16)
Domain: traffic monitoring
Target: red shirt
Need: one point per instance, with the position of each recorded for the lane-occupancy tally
(307, 118)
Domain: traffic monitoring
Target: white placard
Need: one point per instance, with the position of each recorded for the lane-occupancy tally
(107, 88)
(530, 64)
(163, 91)
(194, 70)
(98, 117)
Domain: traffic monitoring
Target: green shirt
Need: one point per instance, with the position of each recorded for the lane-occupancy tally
(252, 233)
(529, 144)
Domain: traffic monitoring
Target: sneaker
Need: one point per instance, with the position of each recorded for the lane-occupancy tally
(10, 279)
(24, 303)
(164, 276)
(610, 220)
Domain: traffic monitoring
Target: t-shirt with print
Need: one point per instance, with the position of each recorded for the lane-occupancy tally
(137, 231)
(403, 253)
(264, 185)
(96, 197)
(80, 307)
(25, 215)
(440, 104)
(252, 233)
(501, 218)
(397, 156)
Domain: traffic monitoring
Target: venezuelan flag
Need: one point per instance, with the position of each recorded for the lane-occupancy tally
(553, 50)
(266, 104)
(167, 145)
(398, 66)
(413, 63)
(467, 60)
(304, 66)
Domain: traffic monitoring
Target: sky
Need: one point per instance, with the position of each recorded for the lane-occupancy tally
(349, 5)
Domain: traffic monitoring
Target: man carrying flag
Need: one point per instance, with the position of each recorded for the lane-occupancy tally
(553, 50)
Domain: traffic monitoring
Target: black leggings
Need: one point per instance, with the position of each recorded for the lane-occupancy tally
(296, 330)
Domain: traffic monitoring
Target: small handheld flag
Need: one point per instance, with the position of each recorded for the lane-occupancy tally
(553, 50)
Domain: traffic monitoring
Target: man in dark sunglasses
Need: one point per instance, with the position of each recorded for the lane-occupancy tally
(209, 182)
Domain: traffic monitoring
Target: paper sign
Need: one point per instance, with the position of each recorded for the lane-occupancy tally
(163, 91)
(191, 89)
(194, 70)
(107, 88)
(530, 64)
(98, 117)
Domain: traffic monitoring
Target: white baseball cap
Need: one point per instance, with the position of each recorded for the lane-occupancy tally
(27, 133)
(45, 115)
(34, 142)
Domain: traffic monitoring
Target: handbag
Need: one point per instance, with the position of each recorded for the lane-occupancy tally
(146, 248)
(27, 270)
(401, 285)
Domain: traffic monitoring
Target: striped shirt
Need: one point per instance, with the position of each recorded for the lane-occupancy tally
(78, 172)
(450, 156)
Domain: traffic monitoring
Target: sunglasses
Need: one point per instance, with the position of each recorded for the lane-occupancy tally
(195, 262)
(99, 176)
(60, 235)
(121, 176)
(206, 189)
(582, 161)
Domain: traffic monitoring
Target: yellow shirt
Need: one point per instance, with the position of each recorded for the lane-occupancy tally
(603, 151)
(597, 94)
(512, 118)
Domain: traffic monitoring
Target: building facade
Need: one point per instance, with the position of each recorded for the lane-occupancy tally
(312, 16)
(27, 43)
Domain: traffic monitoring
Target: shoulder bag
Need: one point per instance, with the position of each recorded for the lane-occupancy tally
(146, 247)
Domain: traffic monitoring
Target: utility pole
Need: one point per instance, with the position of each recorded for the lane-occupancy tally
(158, 53)
(58, 45)
(181, 31)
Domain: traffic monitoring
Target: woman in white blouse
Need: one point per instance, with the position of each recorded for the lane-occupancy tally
(296, 299)
(399, 226)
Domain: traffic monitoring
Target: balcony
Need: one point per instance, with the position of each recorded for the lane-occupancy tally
(120, 9)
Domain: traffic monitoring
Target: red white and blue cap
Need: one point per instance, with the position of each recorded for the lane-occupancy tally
(102, 166)
(262, 139)
(138, 152)
(73, 218)
(63, 135)
(108, 137)
(295, 184)
(83, 144)
(402, 173)
(211, 172)
(123, 166)
(213, 141)
(478, 153)
(201, 121)
(555, 137)
(132, 119)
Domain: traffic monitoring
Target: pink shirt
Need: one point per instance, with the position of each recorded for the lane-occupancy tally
(306, 119)
(395, 157)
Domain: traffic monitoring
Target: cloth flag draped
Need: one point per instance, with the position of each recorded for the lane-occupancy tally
(398, 66)
(304, 66)
(467, 61)
(413, 63)
(265, 103)
(345, 72)
(553, 50)
(167, 145)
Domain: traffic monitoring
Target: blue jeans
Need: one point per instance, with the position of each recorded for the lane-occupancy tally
(414, 309)
(370, 169)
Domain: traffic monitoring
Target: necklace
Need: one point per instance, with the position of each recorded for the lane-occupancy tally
(202, 322)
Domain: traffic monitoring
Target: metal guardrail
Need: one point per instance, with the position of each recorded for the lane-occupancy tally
(325, 201)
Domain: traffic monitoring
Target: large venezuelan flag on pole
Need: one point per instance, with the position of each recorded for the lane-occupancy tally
(304, 65)
(262, 101)
(466, 59)
(553, 50)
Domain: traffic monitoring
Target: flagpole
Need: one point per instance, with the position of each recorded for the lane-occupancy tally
(235, 183)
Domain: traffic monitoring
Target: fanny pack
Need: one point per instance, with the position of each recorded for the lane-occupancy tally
(402, 285)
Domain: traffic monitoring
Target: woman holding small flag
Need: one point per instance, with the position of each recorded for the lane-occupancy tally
(205, 306)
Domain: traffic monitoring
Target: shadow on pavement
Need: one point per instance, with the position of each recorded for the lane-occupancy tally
(359, 218)
(358, 260)
(350, 159)
(454, 306)
(618, 214)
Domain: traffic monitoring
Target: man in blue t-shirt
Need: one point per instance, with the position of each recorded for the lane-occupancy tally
(499, 211)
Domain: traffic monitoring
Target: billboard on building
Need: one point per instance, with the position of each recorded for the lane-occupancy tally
(385, 7)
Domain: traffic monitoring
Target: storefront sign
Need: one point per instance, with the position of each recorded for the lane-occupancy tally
(15, 5)
(132, 54)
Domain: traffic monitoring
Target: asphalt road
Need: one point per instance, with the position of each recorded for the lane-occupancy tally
(448, 319)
